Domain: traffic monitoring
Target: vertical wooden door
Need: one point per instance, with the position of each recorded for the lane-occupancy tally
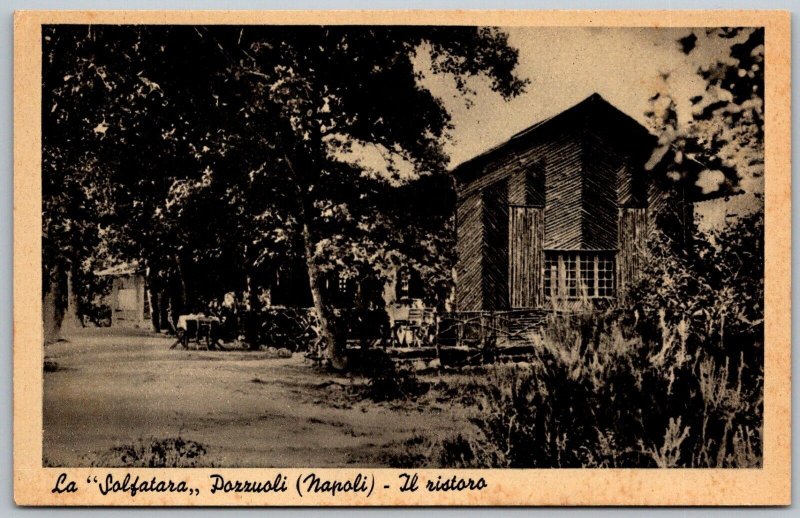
(525, 257)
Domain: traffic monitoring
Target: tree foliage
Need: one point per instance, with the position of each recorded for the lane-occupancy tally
(218, 153)
(718, 148)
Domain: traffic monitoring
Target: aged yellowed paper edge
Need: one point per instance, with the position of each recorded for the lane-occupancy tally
(767, 486)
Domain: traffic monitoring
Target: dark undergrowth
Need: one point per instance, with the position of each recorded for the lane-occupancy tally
(172, 452)
(675, 379)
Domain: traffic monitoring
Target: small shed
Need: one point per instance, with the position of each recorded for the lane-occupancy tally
(129, 298)
(556, 216)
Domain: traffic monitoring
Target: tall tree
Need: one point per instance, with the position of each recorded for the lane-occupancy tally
(229, 144)
(333, 90)
(131, 113)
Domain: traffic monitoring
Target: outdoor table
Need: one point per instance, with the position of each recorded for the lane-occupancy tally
(199, 325)
(410, 326)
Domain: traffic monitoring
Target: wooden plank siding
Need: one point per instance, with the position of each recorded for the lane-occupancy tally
(563, 192)
(517, 187)
(572, 183)
(495, 246)
(531, 161)
(469, 247)
(633, 230)
(657, 203)
(526, 186)
(526, 256)
(600, 194)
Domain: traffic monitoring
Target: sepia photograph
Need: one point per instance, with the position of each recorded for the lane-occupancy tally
(402, 258)
(401, 246)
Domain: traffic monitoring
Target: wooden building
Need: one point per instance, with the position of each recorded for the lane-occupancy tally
(129, 298)
(557, 216)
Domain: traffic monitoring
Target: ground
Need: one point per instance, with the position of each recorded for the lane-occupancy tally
(246, 408)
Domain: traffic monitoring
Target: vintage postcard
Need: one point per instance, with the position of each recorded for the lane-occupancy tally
(402, 258)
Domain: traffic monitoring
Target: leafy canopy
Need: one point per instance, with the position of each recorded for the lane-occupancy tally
(212, 143)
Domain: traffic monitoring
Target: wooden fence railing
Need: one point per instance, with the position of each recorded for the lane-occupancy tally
(488, 328)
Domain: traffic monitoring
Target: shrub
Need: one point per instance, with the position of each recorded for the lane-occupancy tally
(413, 453)
(172, 452)
(386, 379)
(460, 451)
(675, 380)
(281, 328)
(598, 398)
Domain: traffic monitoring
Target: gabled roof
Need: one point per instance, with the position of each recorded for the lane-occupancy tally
(622, 127)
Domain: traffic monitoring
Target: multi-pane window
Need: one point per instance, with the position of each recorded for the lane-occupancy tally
(605, 278)
(588, 275)
(575, 275)
(550, 274)
(340, 289)
(570, 275)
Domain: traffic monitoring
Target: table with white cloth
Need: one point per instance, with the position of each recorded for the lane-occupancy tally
(199, 328)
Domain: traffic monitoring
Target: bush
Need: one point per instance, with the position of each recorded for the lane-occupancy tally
(173, 452)
(297, 329)
(461, 451)
(598, 398)
(100, 315)
(387, 380)
(676, 380)
(281, 328)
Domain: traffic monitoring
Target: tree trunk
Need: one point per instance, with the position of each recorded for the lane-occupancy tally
(153, 293)
(54, 302)
(155, 309)
(182, 278)
(71, 319)
(335, 351)
(165, 306)
(252, 322)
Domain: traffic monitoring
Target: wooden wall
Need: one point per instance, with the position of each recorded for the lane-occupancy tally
(531, 161)
(633, 229)
(526, 186)
(572, 189)
(469, 247)
(495, 246)
(602, 193)
(482, 224)
(562, 214)
(526, 256)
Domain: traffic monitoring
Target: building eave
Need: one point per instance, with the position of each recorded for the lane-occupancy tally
(637, 134)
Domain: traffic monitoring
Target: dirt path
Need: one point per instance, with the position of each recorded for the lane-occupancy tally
(246, 409)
